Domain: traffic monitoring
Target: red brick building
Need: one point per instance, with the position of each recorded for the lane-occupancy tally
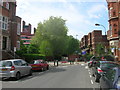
(10, 26)
(15, 27)
(98, 38)
(84, 42)
(26, 29)
(114, 27)
(4, 30)
(90, 41)
(26, 35)
(73, 58)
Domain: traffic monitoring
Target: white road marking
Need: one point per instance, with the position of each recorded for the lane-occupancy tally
(91, 82)
(86, 67)
(90, 76)
(89, 73)
(82, 64)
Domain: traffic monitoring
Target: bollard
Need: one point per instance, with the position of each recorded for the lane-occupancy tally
(57, 62)
(54, 62)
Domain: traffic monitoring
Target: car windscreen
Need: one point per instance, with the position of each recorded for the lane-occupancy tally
(35, 62)
(108, 65)
(5, 63)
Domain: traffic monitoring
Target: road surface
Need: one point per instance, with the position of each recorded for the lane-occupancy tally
(70, 76)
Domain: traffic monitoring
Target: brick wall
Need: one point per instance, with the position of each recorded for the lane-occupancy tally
(85, 41)
(114, 26)
(89, 39)
(26, 29)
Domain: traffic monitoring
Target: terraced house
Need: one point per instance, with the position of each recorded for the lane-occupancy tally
(26, 35)
(114, 27)
(10, 28)
(89, 42)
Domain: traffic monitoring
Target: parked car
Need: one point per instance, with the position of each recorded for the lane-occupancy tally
(100, 67)
(39, 65)
(14, 68)
(64, 61)
(110, 79)
(93, 59)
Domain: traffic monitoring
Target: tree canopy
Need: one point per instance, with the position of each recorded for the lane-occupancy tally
(51, 38)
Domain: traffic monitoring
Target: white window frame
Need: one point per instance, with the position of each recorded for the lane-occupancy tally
(7, 5)
(18, 45)
(1, 2)
(18, 28)
(4, 24)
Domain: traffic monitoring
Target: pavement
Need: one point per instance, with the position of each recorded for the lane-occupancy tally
(64, 64)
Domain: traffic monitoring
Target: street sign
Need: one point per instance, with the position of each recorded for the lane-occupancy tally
(84, 52)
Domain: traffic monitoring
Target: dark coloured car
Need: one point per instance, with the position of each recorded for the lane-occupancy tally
(93, 59)
(110, 79)
(100, 67)
(39, 65)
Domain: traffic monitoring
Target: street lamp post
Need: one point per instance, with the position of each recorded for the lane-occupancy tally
(105, 32)
(102, 26)
(76, 36)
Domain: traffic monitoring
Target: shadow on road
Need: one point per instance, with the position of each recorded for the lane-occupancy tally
(37, 74)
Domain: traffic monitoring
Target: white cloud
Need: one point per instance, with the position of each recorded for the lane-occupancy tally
(77, 22)
(94, 12)
(65, 0)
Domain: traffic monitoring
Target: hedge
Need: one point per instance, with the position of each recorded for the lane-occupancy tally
(30, 57)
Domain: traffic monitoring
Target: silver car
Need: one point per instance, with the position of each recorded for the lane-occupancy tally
(14, 68)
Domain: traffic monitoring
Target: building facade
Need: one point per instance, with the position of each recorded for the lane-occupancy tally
(26, 35)
(84, 43)
(10, 25)
(15, 27)
(89, 42)
(114, 27)
(4, 28)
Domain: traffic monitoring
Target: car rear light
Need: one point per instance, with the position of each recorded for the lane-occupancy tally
(90, 62)
(12, 68)
(99, 70)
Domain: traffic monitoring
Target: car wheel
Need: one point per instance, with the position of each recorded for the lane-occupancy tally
(93, 75)
(18, 76)
(30, 72)
(45, 68)
(42, 69)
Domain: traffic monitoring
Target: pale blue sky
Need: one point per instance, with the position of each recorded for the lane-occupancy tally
(81, 16)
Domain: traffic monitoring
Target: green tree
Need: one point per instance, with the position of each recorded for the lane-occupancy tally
(32, 49)
(46, 48)
(72, 45)
(100, 49)
(54, 32)
(23, 49)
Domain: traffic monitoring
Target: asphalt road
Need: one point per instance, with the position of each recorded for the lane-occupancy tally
(72, 76)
